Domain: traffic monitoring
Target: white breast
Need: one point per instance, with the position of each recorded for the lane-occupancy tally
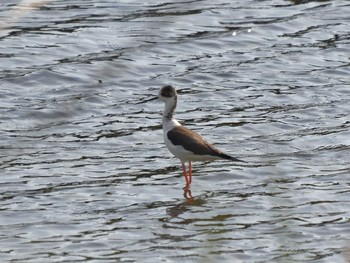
(177, 150)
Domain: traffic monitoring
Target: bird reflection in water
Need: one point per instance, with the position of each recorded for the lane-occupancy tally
(180, 208)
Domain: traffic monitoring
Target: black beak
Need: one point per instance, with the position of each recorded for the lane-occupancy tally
(147, 100)
(154, 98)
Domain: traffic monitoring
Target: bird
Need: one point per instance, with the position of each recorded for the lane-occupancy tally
(183, 143)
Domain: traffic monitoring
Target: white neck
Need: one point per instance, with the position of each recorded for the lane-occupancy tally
(170, 106)
(168, 120)
(169, 124)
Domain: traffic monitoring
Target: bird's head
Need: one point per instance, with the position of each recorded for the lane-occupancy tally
(167, 94)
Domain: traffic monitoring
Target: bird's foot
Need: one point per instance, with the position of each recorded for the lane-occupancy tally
(188, 193)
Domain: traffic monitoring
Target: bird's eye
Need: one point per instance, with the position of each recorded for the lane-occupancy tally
(166, 94)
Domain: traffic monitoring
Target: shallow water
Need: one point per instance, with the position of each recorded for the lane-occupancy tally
(85, 175)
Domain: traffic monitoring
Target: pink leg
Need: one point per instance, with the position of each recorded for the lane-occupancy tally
(190, 170)
(185, 173)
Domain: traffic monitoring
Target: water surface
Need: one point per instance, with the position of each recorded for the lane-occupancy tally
(85, 175)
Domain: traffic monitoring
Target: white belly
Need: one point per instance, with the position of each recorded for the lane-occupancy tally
(184, 155)
(177, 150)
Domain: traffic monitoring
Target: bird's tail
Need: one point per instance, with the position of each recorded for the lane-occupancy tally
(228, 157)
